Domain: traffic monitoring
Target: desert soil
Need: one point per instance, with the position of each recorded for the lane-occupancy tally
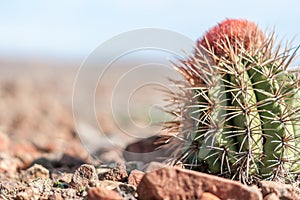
(42, 156)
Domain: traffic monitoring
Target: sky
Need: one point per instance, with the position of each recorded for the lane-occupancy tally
(77, 27)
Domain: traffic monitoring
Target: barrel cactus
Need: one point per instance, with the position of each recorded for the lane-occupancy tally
(236, 113)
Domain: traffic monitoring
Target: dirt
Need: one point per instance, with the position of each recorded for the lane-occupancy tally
(41, 153)
(40, 149)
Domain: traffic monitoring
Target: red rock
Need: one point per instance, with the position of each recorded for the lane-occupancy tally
(209, 196)
(271, 196)
(283, 191)
(4, 142)
(175, 183)
(100, 193)
(135, 177)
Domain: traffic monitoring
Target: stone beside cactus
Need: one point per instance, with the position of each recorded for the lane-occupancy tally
(236, 113)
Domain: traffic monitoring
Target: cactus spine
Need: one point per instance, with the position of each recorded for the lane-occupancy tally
(237, 111)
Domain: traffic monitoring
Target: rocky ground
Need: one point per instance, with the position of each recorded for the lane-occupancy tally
(41, 156)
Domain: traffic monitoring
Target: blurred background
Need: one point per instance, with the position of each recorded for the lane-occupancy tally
(44, 43)
(71, 29)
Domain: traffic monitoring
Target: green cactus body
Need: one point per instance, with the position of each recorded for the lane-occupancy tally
(274, 127)
(245, 106)
(291, 92)
(247, 121)
(214, 138)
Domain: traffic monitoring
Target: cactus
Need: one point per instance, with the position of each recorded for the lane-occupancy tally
(236, 113)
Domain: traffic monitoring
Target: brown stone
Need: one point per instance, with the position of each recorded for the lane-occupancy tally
(34, 172)
(83, 175)
(135, 177)
(114, 174)
(209, 196)
(283, 191)
(41, 188)
(100, 193)
(176, 183)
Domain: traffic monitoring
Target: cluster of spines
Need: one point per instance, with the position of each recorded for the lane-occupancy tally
(238, 111)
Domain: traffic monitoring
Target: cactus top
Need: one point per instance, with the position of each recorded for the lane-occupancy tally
(233, 31)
